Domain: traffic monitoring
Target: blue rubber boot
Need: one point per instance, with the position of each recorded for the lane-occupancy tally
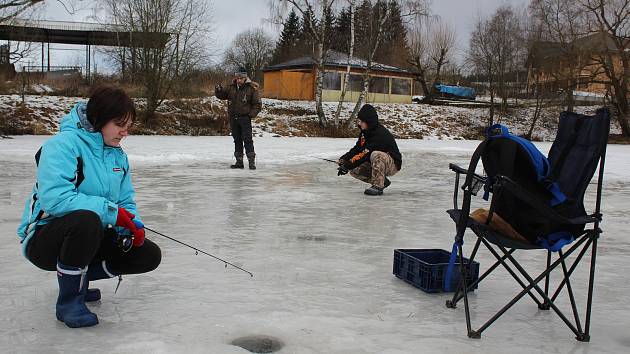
(97, 271)
(71, 308)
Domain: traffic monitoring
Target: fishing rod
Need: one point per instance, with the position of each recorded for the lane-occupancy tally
(198, 250)
(321, 158)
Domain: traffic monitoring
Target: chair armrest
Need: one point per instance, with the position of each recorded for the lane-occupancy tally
(527, 197)
(456, 168)
(477, 182)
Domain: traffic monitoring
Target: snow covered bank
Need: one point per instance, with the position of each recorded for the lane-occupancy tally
(290, 118)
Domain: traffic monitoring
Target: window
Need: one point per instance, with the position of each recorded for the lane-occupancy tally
(332, 80)
(379, 84)
(401, 87)
(355, 83)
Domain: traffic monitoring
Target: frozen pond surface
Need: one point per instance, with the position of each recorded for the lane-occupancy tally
(321, 253)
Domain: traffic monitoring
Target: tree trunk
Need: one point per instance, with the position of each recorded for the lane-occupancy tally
(537, 112)
(364, 92)
(569, 97)
(346, 77)
(623, 112)
(428, 95)
(321, 115)
(368, 68)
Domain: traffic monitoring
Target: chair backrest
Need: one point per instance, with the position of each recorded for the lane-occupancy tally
(560, 181)
(579, 145)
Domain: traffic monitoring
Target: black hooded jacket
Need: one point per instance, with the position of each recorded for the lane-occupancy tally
(375, 138)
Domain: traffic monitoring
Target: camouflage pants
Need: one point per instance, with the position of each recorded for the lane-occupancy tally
(374, 171)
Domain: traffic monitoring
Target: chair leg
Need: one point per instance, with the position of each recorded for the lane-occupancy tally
(587, 325)
(576, 262)
(463, 280)
(501, 260)
(534, 282)
(545, 304)
(458, 294)
(570, 292)
(532, 285)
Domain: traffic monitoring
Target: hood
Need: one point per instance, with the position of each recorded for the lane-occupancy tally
(253, 84)
(76, 121)
(368, 114)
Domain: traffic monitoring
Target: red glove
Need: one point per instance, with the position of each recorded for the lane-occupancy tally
(138, 238)
(124, 219)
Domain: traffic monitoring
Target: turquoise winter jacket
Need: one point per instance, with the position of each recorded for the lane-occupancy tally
(105, 187)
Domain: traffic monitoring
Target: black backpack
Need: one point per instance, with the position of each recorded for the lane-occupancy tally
(520, 161)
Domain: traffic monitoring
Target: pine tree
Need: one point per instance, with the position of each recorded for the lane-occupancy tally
(329, 21)
(363, 29)
(305, 44)
(394, 50)
(288, 42)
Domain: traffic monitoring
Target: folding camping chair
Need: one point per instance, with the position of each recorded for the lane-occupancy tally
(579, 145)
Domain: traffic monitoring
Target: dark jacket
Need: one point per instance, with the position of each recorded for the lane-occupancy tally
(375, 138)
(243, 100)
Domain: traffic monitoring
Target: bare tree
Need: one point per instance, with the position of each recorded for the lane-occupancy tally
(318, 33)
(413, 9)
(251, 50)
(373, 37)
(563, 22)
(431, 44)
(171, 41)
(494, 50)
(10, 9)
(346, 78)
(504, 38)
(610, 19)
(481, 57)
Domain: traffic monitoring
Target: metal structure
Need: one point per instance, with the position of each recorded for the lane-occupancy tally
(81, 33)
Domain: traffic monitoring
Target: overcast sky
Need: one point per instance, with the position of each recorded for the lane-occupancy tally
(234, 16)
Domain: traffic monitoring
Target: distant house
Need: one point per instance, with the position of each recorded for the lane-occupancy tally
(295, 80)
(548, 63)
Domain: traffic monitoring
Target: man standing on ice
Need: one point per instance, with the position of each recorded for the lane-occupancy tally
(244, 105)
(375, 155)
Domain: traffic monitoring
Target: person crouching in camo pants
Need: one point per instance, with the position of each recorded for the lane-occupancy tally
(244, 105)
(375, 155)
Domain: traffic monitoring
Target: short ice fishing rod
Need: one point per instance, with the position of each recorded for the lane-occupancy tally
(198, 250)
(321, 158)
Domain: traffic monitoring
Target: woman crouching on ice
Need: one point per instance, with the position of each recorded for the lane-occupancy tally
(81, 218)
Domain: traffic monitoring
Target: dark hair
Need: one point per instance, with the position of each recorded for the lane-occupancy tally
(109, 103)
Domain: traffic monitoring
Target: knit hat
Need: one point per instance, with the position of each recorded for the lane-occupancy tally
(368, 114)
(241, 73)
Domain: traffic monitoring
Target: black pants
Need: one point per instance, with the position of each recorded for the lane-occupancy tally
(241, 128)
(78, 239)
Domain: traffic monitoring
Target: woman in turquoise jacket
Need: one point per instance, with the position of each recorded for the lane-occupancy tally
(81, 218)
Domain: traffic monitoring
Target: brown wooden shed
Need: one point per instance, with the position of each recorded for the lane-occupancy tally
(295, 80)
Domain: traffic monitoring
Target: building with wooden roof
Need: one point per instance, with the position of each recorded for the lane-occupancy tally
(296, 80)
(553, 65)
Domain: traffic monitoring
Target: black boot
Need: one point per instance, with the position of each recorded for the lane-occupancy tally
(374, 190)
(239, 163)
(251, 157)
(387, 183)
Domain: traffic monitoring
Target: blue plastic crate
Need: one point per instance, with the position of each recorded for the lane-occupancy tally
(426, 269)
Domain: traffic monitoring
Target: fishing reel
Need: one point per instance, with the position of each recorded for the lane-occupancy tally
(124, 241)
